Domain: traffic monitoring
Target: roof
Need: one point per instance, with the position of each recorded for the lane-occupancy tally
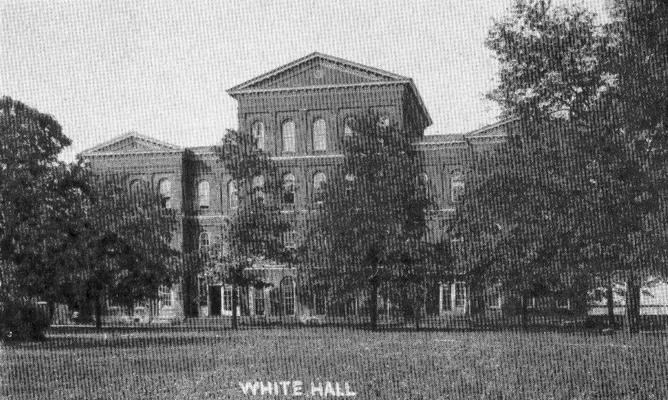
(131, 142)
(497, 129)
(350, 74)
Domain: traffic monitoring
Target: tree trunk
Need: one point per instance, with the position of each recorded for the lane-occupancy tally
(234, 306)
(98, 314)
(611, 306)
(633, 304)
(373, 303)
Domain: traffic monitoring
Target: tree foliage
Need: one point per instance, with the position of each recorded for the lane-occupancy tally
(255, 232)
(575, 193)
(370, 226)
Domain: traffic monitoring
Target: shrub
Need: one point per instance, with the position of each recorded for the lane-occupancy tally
(22, 320)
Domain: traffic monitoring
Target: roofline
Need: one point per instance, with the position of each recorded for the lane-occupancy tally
(128, 135)
(397, 79)
(309, 57)
(491, 126)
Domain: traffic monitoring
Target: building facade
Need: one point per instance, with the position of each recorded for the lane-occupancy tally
(299, 113)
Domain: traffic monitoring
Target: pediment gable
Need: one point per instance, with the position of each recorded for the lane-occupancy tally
(315, 70)
(131, 143)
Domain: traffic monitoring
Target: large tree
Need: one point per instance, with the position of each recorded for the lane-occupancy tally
(114, 244)
(595, 192)
(371, 220)
(255, 231)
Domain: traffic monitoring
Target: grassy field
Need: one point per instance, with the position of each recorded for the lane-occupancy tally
(209, 364)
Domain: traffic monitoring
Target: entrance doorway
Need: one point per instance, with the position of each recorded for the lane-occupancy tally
(214, 300)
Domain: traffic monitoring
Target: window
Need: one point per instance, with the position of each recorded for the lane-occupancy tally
(384, 121)
(447, 296)
(258, 187)
(137, 187)
(350, 180)
(348, 127)
(257, 130)
(423, 184)
(232, 195)
(320, 135)
(493, 298)
(460, 294)
(288, 189)
(259, 301)
(203, 194)
(227, 298)
(563, 303)
(319, 182)
(165, 190)
(288, 135)
(531, 303)
(203, 241)
(456, 187)
(202, 291)
(290, 239)
(164, 297)
(288, 294)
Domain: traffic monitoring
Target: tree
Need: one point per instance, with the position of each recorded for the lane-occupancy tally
(116, 244)
(371, 218)
(255, 232)
(560, 77)
(640, 61)
(30, 142)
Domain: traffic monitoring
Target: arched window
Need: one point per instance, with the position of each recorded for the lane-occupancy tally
(320, 135)
(350, 180)
(204, 242)
(319, 182)
(165, 190)
(258, 187)
(288, 189)
(232, 195)
(136, 187)
(257, 130)
(348, 127)
(203, 194)
(457, 188)
(423, 184)
(384, 121)
(288, 136)
(288, 295)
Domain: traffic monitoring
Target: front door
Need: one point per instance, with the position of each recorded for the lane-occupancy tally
(226, 300)
(214, 300)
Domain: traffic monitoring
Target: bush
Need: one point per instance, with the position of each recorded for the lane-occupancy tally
(21, 320)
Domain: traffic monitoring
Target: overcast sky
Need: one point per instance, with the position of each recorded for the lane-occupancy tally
(161, 68)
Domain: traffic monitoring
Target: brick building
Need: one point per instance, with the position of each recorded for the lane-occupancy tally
(299, 113)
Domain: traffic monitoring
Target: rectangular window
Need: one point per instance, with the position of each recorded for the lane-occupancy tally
(447, 297)
(202, 291)
(460, 294)
(164, 297)
(227, 298)
(564, 303)
(493, 298)
(259, 301)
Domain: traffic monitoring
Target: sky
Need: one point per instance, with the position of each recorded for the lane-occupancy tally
(161, 68)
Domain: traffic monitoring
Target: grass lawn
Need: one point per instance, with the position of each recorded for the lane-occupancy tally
(209, 364)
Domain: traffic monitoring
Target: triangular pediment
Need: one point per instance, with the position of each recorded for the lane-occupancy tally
(316, 70)
(131, 142)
